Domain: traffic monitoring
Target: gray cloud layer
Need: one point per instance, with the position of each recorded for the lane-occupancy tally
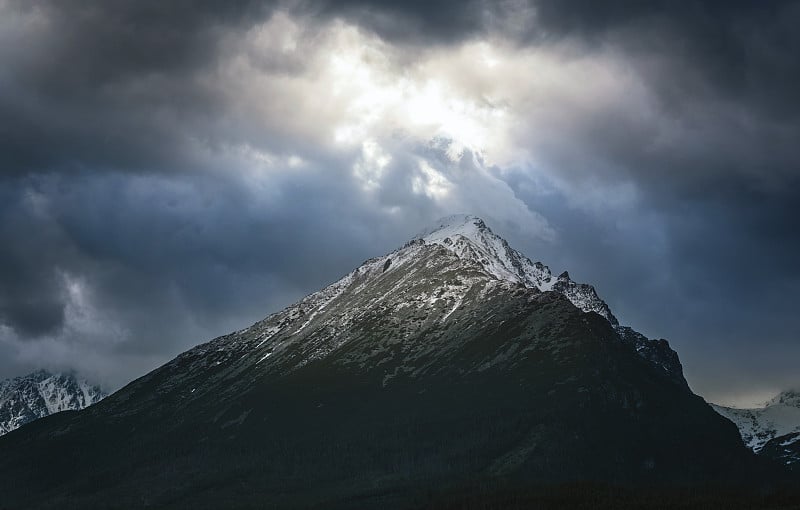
(171, 171)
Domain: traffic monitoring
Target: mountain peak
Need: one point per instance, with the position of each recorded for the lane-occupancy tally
(776, 424)
(468, 237)
(457, 224)
(41, 393)
(787, 398)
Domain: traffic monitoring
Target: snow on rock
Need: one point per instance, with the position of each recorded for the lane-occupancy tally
(27, 398)
(787, 398)
(779, 417)
(657, 352)
(432, 281)
(468, 237)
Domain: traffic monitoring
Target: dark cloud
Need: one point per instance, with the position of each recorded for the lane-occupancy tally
(740, 47)
(110, 84)
(133, 197)
(30, 294)
(91, 44)
(724, 73)
(418, 21)
(170, 261)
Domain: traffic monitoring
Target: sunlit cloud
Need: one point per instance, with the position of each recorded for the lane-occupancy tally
(187, 176)
(370, 167)
(430, 182)
(345, 91)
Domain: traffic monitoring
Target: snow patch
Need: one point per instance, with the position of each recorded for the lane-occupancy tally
(779, 417)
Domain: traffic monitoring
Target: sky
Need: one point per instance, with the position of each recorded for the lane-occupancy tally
(173, 171)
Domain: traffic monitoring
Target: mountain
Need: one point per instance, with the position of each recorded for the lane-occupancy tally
(450, 366)
(39, 394)
(784, 449)
(470, 239)
(772, 430)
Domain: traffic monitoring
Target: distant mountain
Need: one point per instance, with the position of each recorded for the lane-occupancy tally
(39, 394)
(451, 362)
(772, 430)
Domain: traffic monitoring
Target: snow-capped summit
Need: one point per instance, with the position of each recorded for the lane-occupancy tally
(788, 398)
(469, 238)
(41, 393)
(472, 241)
(773, 429)
(440, 271)
(464, 224)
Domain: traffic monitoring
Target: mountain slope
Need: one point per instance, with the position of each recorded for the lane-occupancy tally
(39, 394)
(470, 239)
(417, 372)
(772, 430)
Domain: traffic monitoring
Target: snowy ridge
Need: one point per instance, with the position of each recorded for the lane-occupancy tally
(787, 398)
(27, 398)
(414, 288)
(778, 420)
(431, 283)
(469, 238)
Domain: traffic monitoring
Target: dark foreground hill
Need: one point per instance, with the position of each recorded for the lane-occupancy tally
(425, 378)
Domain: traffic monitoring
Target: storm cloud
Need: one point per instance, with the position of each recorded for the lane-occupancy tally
(174, 171)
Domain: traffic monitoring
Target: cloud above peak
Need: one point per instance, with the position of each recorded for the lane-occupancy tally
(189, 167)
